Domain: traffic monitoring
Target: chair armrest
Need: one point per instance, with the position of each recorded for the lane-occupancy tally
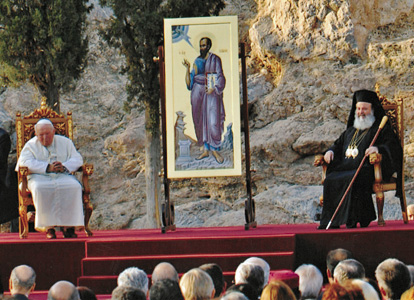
(375, 159)
(87, 170)
(22, 175)
(320, 161)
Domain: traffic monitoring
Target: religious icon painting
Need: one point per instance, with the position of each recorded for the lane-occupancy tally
(202, 97)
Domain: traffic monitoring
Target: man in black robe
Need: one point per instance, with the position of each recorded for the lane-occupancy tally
(345, 156)
(8, 181)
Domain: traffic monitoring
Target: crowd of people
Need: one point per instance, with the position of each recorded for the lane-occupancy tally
(253, 280)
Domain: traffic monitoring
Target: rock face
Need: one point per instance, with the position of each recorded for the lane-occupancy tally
(307, 58)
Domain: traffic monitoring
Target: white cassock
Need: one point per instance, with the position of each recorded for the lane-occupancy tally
(57, 197)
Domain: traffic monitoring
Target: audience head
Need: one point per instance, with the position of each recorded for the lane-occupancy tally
(368, 291)
(263, 264)
(134, 277)
(335, 291)
(411, 270)
(348, 269)
(310, 280)
(251, 274)
(196, 284)
(277, 290)
(22, 280)
(216, 275)
(333, 258)
(408, 294)
(165, 289)
(164, 270)
(246, 289)
(354, 291)
(393, 278)
(86, 293)
(63, 290)
(374, 284)
(123, 292)
(234, 296)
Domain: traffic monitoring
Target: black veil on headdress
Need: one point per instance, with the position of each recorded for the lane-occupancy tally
(369, 97)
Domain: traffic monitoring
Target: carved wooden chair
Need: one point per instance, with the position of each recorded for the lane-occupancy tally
(24, 132)
(395, 113)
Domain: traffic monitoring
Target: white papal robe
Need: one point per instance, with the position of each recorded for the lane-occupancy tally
(57, 197)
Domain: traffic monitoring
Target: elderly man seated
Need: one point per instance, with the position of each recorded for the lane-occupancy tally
(57, 195)
(345, 156)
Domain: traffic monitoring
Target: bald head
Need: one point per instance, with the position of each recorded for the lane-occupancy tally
(164, 270)
(22, 280)
(63, 290)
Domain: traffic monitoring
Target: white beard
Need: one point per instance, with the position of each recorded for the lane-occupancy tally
(363, 123)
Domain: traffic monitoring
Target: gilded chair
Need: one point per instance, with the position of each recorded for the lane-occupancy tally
(24, 132)
(395, 113)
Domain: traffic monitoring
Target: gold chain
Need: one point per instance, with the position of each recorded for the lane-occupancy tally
(352, 150)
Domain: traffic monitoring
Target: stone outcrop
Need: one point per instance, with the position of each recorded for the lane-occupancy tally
(307, 58)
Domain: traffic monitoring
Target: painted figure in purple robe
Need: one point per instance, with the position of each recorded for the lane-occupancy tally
(206, 82)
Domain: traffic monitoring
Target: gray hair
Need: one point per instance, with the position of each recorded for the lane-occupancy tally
(263, 264)
(349, 269)
(234, 296)
(411, 270)
(310, 280)
(393, 277)
(251, 274)
(334, 257)
(123, 292)
(134, 277)
(367, 289)
(23, 282)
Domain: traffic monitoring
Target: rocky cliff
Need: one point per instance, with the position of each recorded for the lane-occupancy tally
(307, 57)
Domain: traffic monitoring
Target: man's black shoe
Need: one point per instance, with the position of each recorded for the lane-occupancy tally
(70, 233)
(50, 234)
(351, 225)
(363, 225)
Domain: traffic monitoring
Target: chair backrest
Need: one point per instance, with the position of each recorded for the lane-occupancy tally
(25, 124)
(395, 112)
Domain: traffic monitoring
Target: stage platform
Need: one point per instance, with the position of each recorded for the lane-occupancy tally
(96, 261)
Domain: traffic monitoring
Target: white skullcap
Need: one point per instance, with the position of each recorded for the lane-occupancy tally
(44, 121)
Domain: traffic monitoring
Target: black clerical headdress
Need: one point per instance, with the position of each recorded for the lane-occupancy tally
(369, 97)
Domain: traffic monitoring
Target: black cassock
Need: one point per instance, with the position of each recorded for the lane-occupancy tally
(358, 206)
(8, 182)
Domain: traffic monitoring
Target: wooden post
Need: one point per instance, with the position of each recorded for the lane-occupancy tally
(249, 206)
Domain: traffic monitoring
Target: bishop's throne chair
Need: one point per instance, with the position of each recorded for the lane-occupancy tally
(24, 132)
(395, 114)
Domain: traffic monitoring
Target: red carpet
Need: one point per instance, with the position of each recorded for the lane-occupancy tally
(96, 261)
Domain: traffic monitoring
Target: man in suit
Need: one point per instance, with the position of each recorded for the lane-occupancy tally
(22, 282)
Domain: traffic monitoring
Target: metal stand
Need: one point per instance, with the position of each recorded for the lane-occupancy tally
(249, 206)
(167, 207)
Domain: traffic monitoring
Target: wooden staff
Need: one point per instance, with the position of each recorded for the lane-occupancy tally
(383, 121)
